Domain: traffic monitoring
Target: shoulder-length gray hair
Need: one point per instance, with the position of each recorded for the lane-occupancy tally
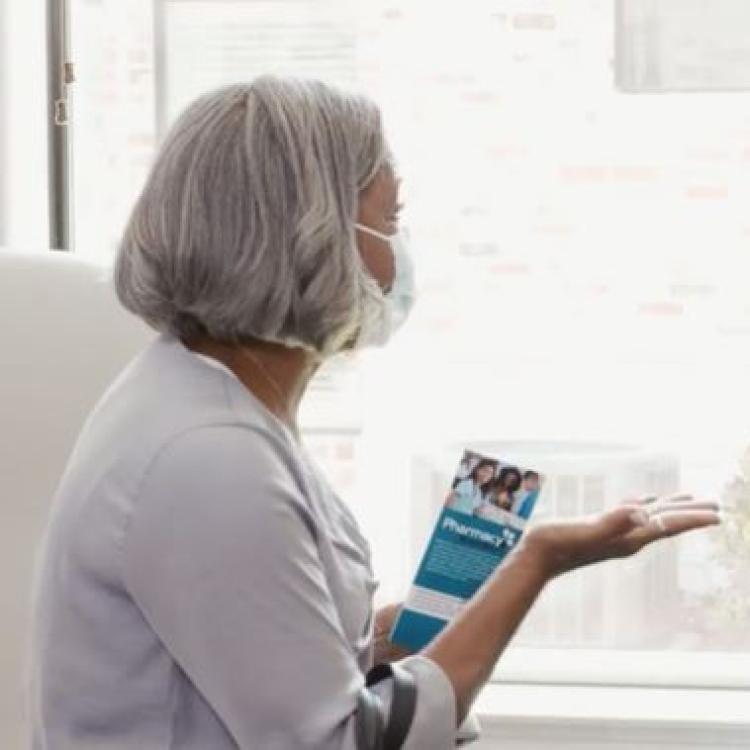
(245, 227)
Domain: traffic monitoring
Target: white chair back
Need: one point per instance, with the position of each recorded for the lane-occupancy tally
(63, 338)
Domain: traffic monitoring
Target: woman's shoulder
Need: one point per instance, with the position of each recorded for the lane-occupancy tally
(168, 393)
(232, 447)
(169, 409)
(223, 474)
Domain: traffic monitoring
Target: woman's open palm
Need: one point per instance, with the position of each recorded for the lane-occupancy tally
(620, 532)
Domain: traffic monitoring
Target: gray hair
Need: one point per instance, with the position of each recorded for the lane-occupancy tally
(245, 227)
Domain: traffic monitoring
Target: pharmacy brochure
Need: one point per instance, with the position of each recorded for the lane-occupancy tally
(486, 509)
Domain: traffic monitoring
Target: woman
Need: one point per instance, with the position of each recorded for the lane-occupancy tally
(525, 499)
(469, 493)
(505, 488)
(201, 584)
(465, 467)
(498, 500)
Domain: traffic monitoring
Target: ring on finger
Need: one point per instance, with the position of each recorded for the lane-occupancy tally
(659, 521)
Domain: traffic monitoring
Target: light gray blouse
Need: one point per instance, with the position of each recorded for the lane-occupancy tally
(201, 586)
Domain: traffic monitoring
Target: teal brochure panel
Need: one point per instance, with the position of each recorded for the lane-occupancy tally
(483, 518)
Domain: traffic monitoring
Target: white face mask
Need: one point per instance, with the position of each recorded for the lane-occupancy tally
(399, 299)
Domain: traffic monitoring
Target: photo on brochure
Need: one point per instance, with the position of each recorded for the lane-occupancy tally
(494, 490)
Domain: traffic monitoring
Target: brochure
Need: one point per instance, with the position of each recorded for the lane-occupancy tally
(484, 515)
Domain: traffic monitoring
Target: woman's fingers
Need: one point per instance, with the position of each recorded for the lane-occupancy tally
(620, 531)
(682, 505)
(670, 523)
(678, 498)
(654, 505)
(663, 518)
(649, 500)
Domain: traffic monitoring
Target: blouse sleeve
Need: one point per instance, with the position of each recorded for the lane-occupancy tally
(220, 555)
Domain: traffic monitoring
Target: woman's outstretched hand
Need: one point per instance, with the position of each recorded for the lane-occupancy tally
(469, 647)
(561, 546)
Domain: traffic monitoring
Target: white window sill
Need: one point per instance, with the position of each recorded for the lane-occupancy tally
(534, 715)
(712, 670)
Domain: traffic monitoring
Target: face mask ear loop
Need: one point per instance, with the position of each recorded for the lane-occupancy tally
(373, 232)
(386, 238)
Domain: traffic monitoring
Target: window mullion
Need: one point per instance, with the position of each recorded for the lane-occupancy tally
(59, 78)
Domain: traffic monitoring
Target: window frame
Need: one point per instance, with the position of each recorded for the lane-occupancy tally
(4, 130)
(59, 78)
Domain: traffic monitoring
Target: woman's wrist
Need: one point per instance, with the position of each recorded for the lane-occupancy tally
(532, 558)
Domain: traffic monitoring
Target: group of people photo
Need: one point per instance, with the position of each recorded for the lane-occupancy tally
(490, 489)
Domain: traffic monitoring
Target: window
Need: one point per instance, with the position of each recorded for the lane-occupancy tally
(23, 127)
(115, 125)
(583, 258)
